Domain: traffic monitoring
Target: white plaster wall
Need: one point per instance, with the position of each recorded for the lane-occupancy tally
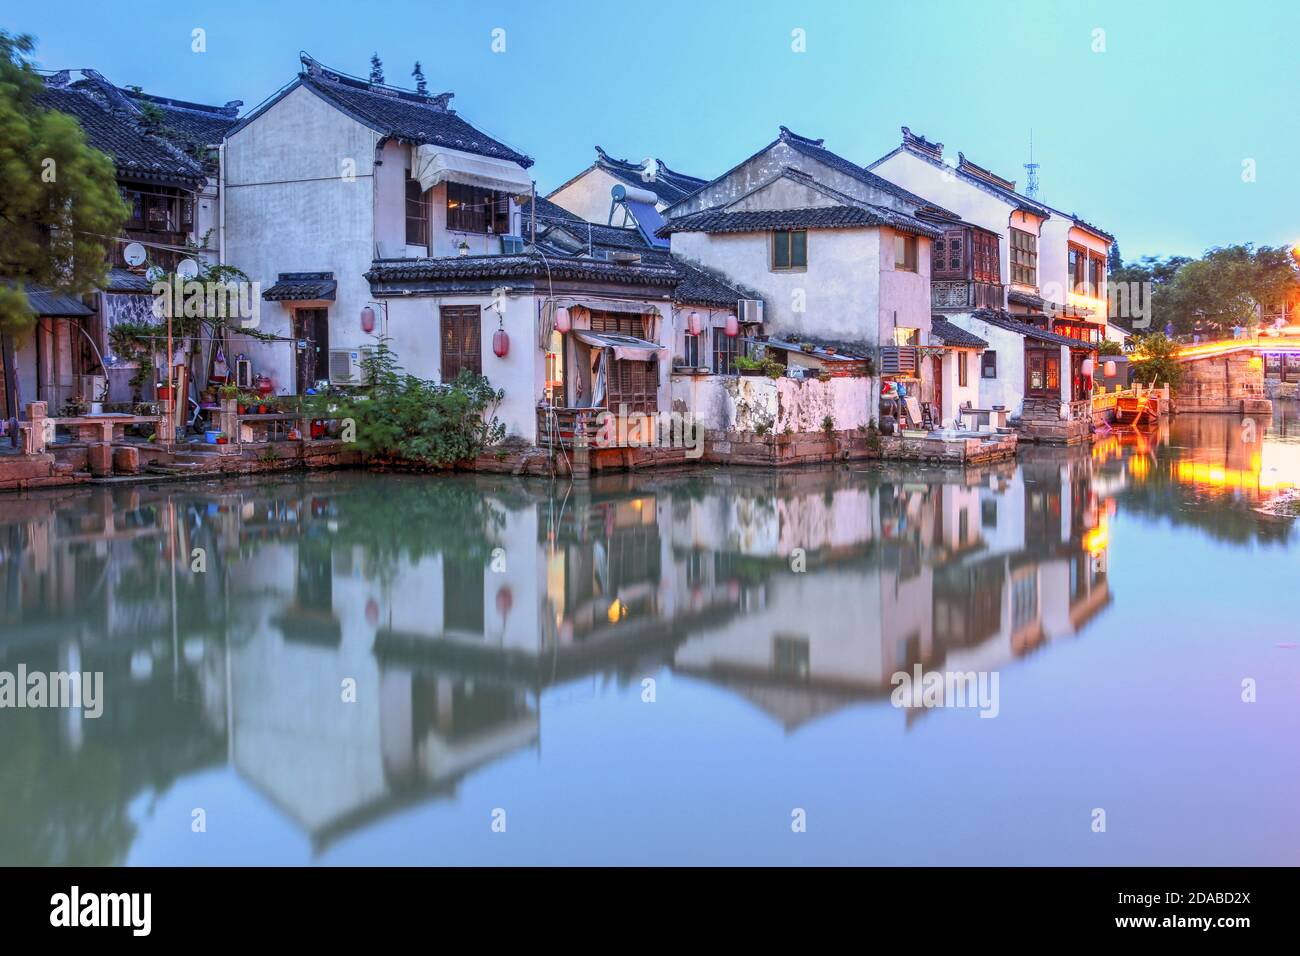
(588, 196)
(415, 332)
(1009, 387)
(955, 395)
(289, 209)
(840, 289)
(743, 402)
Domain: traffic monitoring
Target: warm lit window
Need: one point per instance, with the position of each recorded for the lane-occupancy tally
(1024, 258)
(962, 358)
(471, 209)
(417, 214)
(1043, 373)
(905, 336)
(790, 249)
(905, 253)
(1078, 261)
(1096, 272)
(990, 364)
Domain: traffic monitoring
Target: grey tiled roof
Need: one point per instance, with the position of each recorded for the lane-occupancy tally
(404, 115)
(301, 287)
(124, 280)
(668, 184)
(814, 149)
(817, 217)
(46, 301)
(950, 334)
(522, 266)
(1005, 320)
(117, 132)
(698, 287)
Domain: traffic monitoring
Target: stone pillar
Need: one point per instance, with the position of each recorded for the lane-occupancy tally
(39, 430)
(100, 457)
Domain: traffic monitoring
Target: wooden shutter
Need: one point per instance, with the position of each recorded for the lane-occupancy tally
(462, 340)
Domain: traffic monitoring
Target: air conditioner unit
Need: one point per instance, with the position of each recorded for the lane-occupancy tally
(346, 368)
(243, 373)
(749, 311)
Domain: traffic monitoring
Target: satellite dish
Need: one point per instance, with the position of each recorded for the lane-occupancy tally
(133, 254)
(187, 268)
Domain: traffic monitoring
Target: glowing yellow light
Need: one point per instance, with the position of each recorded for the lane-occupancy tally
(1097, 540)
(616, 611)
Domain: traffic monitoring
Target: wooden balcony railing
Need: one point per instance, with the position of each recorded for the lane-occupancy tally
(956, 295)
(566, 427)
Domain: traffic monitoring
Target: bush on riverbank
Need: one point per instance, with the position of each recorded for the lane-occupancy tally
(403, 416)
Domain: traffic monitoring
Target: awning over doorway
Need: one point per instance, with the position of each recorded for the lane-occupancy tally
(438, 164)
(626, 348)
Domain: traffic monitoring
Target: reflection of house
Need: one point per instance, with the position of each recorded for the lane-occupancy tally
(943, 575)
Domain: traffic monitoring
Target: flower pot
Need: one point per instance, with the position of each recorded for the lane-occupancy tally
(243, 408)
(164, 393)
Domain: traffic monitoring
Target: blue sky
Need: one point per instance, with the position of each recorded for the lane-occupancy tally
(1146, 139)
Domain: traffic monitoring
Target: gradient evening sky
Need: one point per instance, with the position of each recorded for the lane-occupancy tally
(1146, 139)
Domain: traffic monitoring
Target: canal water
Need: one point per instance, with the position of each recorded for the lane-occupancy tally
(670, 668)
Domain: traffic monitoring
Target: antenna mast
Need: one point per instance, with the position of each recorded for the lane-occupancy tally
(1031, 168)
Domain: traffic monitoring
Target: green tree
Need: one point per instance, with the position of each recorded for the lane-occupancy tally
(1154, 360)
(376, 68)
(60, 196)
(421, 85)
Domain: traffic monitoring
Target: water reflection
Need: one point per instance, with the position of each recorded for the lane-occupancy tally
(453, 609)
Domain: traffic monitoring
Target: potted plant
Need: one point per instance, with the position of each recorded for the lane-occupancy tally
(748, 366)
(807, 347)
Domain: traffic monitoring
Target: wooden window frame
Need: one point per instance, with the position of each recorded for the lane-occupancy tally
(1051, 358)
(1024, 258)
(785, 238)
(452, 323)
(989, 363)
(477, 210)
(906, 246)
(725, 350)
(417, 214)
(986, 266)
(962, 373)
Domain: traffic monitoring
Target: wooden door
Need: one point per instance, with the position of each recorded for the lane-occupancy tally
(936, 364)
(311, 330)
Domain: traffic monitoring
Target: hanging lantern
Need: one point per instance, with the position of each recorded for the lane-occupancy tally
(500, 343)
(1110, 369)
(693, 324)
(1087, 367)
(562, 324)
(367, 320)
(733, 327)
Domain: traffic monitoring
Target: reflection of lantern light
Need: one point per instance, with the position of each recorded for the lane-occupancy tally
(1087, 367)
(615, 612)
(693, 324)
(500, 343)
(562, 324)
(367, 320)
(1110, 369)
(733, 327)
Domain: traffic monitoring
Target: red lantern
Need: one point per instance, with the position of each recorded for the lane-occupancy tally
(500, 343)
(367, 320)
(1087, 367)
(693, 324)
(1110, 369)
(562, 320)
(733, 327)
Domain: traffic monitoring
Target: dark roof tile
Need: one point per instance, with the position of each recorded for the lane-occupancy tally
(817, 217)
(950, 334)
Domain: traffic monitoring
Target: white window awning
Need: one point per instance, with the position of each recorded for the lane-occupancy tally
(438, 164)
(626, 348)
